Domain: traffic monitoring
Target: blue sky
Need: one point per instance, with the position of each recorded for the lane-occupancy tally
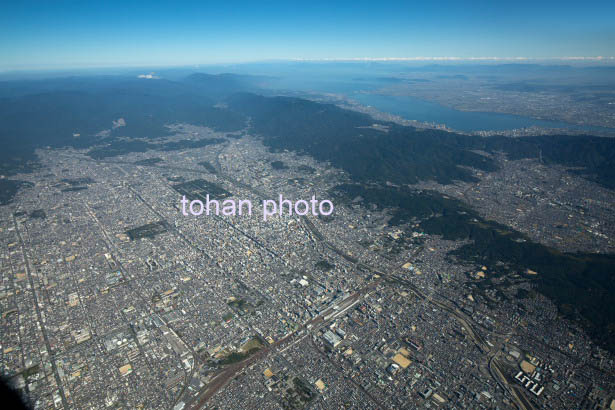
(65, 34)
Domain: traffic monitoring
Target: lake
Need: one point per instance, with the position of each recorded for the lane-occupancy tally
(412, 108)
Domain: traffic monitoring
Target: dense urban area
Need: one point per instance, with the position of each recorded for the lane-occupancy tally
(458, 270)
(112, 298)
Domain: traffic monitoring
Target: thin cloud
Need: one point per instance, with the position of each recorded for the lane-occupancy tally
(149, 76)
(451, 58)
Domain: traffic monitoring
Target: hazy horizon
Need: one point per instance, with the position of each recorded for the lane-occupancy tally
(116, 34)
